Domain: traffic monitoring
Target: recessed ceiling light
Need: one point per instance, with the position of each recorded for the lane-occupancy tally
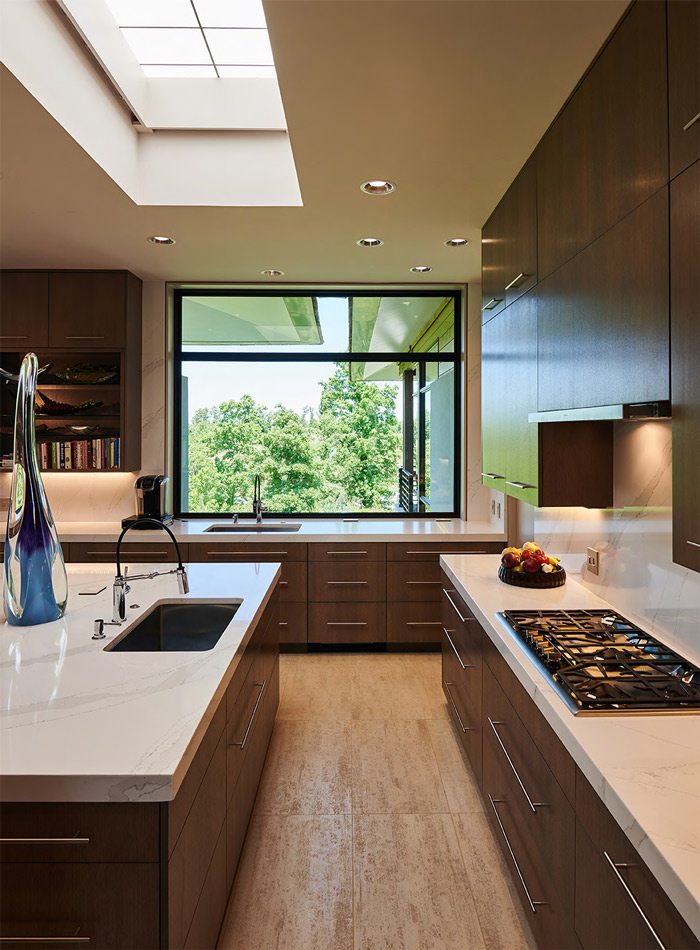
(421, 269)
(272, 273)
(456, 242)
(161, 239)
(369, 242)
(378, 186)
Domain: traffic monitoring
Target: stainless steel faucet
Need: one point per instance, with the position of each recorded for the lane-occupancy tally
(121, 588)
(258, 506)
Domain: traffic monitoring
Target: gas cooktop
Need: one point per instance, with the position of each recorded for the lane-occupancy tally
(603, 662)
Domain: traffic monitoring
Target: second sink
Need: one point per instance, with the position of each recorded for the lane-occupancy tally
(251, 527)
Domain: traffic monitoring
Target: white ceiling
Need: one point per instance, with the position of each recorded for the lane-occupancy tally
(445, 97)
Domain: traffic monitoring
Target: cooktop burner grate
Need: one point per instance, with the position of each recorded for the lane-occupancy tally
(602, 661)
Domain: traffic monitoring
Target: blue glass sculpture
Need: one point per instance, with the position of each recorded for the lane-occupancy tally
(36, 586)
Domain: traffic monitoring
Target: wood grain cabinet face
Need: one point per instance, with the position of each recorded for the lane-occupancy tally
(521, 233)
(683, 83)
(411, 583)
(347, 623)
(131, 551)
(603, 318)
(493, 265)
(349, 581)
(607, 152)
(413, 623)
(24, 310)
(293, 623)
(87, 310)
(685, 332)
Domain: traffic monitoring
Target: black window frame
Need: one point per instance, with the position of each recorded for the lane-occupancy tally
(454, 357)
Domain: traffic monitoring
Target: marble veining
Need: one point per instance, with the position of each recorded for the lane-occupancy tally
(646, 768)
(78, 723)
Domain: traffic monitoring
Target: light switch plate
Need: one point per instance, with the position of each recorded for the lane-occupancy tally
(593, 560)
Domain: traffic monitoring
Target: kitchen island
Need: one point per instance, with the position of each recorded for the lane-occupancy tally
(616, 783)
(128, 777)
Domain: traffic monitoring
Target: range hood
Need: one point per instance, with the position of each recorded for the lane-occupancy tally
(631, 411)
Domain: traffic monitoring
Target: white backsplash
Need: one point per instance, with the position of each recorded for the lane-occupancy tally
(637, 573)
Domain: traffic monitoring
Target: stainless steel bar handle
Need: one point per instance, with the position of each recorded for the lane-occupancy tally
(110, 554)
(533, 904)
(533, 805)
(691, 122)
(347, 583)
(66, 940)
(13, 336)
(101, 337)
(423, 623)
(520, 485)
(454, 606)
(516, 280)
(254, 713)
(423, 583)
(493, 302)
(465, 666)
(625, 886)
(75, 840)
(346, 623)
(454, 706)
(283, 623)
(693, 544)
(491, 475)
(347, 553)
(470, 551)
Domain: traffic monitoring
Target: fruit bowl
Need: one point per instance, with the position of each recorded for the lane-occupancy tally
(529, 566)
(541, 581)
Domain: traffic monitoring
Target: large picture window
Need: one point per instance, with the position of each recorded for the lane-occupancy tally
(342, 403)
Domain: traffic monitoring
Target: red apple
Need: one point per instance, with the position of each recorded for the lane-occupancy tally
(510, 559)
(531, 565)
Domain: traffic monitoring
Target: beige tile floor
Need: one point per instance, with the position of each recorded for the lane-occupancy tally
(368, 831)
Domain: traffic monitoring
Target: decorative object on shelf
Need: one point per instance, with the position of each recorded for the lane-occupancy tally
(88, 374)
(51, 407)
(529, 566)
(36, 586)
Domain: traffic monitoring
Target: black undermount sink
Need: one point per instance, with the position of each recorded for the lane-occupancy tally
(177, 627)
(253, 526)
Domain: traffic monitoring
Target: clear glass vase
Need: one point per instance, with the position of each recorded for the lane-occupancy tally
(36, 586)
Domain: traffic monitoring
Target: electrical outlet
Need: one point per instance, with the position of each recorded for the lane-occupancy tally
(593, 560)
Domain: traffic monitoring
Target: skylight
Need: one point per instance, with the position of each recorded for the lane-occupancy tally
(197, 38)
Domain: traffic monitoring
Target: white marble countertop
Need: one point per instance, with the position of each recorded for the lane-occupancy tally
(81, 724)
(646, 768)
(401, 529)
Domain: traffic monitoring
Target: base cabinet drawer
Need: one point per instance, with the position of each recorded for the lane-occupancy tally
(250, 552)
(145, 552)
(293, 620)
(413, 623)
(347, 551)
(619, 903)
(347, 623)
(463, 690)
(408, 582)
(432, 550)
(350, 581)
(105, 906)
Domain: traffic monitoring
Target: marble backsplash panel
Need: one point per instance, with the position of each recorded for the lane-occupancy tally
(637, 573)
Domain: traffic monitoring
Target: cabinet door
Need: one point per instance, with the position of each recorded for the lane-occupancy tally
(521, 233)
(519, 395)
(683, 83)
(24, 310)
(493, 265)
(685, 328)
(87, 310)
(608, 150)
(606, 312)
(493, 408)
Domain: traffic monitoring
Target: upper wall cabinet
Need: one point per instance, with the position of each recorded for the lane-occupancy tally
(607, 152)
(87, 309)
(603, 318)
(24, 310)
(683, 83)
(685, 332)
(493, 265)
(509, 245)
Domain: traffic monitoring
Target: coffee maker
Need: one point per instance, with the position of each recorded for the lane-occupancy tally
(150, 501)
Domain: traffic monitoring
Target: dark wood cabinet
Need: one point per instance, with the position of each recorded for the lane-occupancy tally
(413, 582)
(619, 904)
(520, 209)
(683, 83)
(349, 581)
(413, 623)
(493, 265)
(103, 552)
(88, 309)
(293, 623)
(347, 623)
(603, 318)
(24, 310)
(685, 333)
(542, 464)
(607, 152)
